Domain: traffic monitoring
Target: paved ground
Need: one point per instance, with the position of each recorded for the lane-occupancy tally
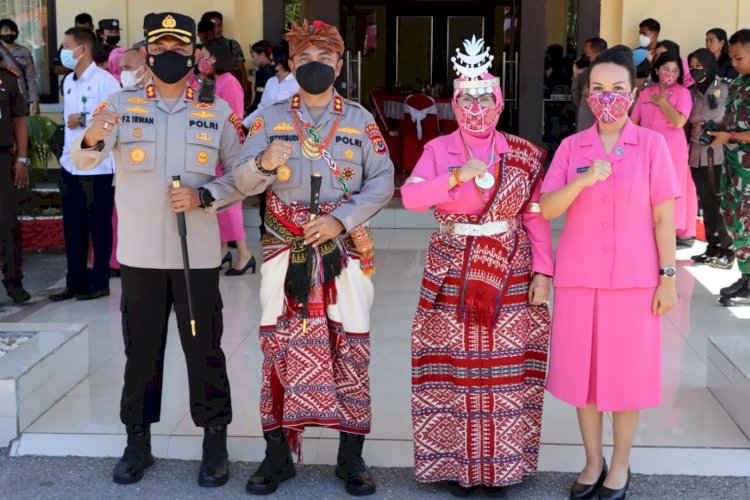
(41, 271)
(53, 478)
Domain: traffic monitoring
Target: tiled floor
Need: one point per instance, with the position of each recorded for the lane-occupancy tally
(690, 434)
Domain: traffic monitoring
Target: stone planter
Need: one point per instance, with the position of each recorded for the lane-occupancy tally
(39, 372)
(42, 233)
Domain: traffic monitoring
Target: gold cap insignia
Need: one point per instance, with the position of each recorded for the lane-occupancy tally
(169, 22)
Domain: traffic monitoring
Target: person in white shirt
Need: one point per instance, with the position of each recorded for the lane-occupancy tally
(279, 87)
(87, 196)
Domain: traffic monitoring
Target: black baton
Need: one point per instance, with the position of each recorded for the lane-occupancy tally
(182, 228)
(315, 182)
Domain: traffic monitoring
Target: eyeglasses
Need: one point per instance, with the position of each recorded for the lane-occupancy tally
(485, 101)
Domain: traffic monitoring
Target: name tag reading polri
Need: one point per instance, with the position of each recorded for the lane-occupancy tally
(581, 170)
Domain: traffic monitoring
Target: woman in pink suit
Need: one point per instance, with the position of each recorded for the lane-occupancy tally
(216, 62)
(479, 338)
(666, 108)
(616, 185)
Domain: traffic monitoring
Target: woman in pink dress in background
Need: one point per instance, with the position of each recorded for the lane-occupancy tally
(614, 271)
(216, 62)
(665, 108)
(480, 334)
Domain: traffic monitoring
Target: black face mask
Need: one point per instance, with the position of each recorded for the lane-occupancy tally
(170, 67)
(9, 38)
(698, 74)
(315, 77)
(112, 40)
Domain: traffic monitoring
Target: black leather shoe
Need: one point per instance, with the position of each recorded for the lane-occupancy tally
(741, 296)
(580, 491)
(721, 261)
(707, 255)
(226, 260)
(14, 289)
(278, 465)
(137, 457)
(610, 494)
(729, 290)
(104, 292)
(240, 272)
(214, 469)
(65, 294)
(351, 467)
(455, 489)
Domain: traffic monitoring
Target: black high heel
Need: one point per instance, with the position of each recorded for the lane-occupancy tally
(240, 272)
(226, 260)
(610, 494)
(580, 491)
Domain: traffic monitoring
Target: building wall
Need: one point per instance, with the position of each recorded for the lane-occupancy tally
(682, 21)
(556, 22)
(243, 19)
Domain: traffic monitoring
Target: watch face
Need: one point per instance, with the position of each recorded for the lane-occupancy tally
(670, 272)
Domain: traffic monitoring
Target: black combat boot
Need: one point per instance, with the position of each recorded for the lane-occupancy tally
(741, 296)
(278, 465)
(351, 467)
(137, 457)
(729, 290)
(215, 464)
(15, 290)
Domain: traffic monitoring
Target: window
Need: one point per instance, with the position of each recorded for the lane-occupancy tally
(35, 29)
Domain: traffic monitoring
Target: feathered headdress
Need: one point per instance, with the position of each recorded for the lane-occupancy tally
(320, 34)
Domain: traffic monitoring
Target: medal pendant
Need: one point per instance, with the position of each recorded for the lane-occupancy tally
(284, 173)
(485, 182)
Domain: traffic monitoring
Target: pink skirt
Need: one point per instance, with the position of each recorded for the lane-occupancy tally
(231, 225)
(605, 348)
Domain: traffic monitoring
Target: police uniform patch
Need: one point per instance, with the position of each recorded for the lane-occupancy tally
(378, 144)
(137, 100)
(203, 114)
(202, 157)
(237, 123)
(255, 127)
(349, 154)
(348, 173)
(204, 105)
(137, 133)
(284, 173)
(100, 107)
(283, 127)
(151, 90)
(204, 137)
(190, 93)
(349, 130)
(138, 110)
(137, 155)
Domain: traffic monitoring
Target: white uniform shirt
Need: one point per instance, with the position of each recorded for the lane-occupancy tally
(94, 87)
(274, 91)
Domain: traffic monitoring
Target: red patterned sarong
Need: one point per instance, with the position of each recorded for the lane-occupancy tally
(477, 392)
(318, 377)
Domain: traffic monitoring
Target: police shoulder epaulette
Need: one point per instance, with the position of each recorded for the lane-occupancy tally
(12, 71)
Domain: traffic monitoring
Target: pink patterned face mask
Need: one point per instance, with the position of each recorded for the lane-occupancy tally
(608, 107)
(667, 78)
(475, 119)
(205, 66)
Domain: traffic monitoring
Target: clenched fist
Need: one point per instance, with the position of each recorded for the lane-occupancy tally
(598, 171)
(101, 126)
(276, 155)
(471, 169)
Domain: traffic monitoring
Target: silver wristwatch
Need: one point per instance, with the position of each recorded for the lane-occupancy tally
(25, 161)
(668, 272)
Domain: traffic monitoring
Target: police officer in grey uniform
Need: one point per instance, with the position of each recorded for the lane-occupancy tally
(156, 132)
(284, 152)
(14, 176)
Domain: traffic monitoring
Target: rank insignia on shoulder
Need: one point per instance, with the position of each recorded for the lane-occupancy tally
(137, 155)
(204, 137)
(338, 105)
(237, 124)
(137, 133)
(203, 114)
(378, 143)
(190, 94)
(100, 107)
(296, 103)
(137, 100)
(202, 157)
(138, 110)
(151, 91)
(349, 130)
(204, 105)
(255, 127)
(283, 127)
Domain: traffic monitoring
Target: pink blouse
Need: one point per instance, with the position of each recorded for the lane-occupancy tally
(650, 115)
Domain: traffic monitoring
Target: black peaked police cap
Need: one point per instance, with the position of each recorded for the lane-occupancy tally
(173, 24)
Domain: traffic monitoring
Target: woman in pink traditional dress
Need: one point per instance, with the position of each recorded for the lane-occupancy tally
(479, 339)
(666, 108)
(216, 62)
(616, 186)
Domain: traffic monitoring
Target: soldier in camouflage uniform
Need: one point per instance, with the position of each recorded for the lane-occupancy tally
(736, 178)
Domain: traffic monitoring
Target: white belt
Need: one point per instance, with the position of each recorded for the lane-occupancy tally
(488, 229)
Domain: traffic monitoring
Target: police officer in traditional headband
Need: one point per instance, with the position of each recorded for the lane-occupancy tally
(158, 131)
(315, 323)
